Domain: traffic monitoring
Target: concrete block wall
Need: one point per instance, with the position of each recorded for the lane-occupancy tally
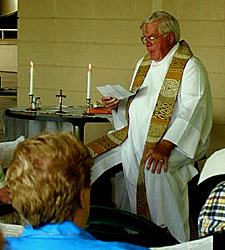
(8, 63)
(8, 56)
(63, 36)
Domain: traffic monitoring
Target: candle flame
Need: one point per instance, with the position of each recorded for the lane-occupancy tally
(31, 64)
(89, 67)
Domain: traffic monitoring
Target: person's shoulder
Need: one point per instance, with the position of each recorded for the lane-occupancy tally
(196, 64)
(195, 60)
(12, 242)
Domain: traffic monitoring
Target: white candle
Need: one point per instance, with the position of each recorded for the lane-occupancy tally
(89, 81)
(31, 77)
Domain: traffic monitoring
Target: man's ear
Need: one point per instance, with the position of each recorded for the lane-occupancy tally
(171, 38)
(84, 197)
(83, 209)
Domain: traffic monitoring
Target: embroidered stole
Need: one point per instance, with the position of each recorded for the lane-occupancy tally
(159, 121)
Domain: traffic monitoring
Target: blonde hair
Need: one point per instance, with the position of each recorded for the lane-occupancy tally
(46, 175)
(167, 23)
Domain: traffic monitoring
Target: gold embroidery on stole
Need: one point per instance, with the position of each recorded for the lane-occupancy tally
(160, 119)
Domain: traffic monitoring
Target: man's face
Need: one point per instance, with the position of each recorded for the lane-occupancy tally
(158, 48)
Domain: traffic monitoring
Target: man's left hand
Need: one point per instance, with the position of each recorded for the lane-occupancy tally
(158, 156)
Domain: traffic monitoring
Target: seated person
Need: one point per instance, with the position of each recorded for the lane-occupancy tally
(49, 185)
(6, 152)
(211, 193)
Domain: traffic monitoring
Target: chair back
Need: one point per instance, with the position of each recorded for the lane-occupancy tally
(110, 224)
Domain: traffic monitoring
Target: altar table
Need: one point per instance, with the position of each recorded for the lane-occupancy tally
(21, 121)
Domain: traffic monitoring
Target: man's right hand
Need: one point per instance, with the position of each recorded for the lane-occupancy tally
(110, 102)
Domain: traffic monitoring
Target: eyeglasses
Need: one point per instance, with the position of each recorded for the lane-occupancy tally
(151, 39)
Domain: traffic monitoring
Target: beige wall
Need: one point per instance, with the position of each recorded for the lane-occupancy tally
(63, 36)
(8, 63)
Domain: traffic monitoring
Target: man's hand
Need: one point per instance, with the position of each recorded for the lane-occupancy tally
(4, 195)
(159, 155)
(110, 102)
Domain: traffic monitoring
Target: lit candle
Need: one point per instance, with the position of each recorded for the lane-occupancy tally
(89, 81)
(31, 77)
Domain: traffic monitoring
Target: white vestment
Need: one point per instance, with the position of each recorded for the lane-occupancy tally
(189, 130)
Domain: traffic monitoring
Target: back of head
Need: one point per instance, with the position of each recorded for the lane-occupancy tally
(46, 176)
(167, 23)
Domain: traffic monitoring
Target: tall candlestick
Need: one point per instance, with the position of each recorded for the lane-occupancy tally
(89, 81)
(31, 77)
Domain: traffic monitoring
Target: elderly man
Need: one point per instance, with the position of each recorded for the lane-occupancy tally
(49, 185)
(161, 131)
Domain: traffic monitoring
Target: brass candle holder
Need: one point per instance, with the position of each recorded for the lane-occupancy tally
(34, 103)
(88, 105)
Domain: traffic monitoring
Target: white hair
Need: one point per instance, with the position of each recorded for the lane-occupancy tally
(167, 23)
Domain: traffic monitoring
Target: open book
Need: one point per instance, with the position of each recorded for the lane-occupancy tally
(11, 229)
(201, 244)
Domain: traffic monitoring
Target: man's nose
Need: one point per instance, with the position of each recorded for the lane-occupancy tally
(148, 43)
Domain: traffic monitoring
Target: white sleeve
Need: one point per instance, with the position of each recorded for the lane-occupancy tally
(191, 120)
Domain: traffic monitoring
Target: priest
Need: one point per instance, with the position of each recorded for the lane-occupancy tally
(161, 131)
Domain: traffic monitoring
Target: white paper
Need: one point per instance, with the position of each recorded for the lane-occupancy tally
(115, 91)
(11, 230)
(201, 244)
